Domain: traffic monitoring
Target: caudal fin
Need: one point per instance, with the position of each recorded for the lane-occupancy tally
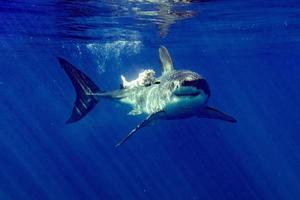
(83, 86)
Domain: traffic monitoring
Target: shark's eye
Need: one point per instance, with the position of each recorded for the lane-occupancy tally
(157, 82)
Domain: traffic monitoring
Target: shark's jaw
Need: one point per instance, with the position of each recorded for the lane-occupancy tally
(185, 105)
(192, 88)
(186, 92)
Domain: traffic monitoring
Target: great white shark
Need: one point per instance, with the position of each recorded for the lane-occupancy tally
(176, 94)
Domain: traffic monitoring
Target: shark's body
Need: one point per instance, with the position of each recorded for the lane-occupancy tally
(176, 94)
(160, 96)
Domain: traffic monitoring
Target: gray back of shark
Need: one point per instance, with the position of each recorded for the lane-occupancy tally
(175, 94)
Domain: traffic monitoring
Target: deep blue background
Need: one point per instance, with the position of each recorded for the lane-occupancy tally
(247, 50)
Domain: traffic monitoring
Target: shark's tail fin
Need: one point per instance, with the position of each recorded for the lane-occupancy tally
(84, 86)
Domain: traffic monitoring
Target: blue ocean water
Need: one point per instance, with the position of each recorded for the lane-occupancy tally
(247, 50)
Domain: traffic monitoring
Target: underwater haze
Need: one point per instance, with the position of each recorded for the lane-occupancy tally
(248, 51)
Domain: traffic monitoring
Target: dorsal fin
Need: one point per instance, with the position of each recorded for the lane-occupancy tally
(165, 60)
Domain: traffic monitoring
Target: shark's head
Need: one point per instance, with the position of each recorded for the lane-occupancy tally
(189, 92)
(189, 84)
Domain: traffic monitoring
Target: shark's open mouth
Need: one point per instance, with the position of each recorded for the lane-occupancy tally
(199, 84)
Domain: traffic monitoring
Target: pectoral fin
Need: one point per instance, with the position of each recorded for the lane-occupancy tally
(146, 122)
(213, 113)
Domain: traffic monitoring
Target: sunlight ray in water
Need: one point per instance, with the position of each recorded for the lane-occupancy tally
(248, 52)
